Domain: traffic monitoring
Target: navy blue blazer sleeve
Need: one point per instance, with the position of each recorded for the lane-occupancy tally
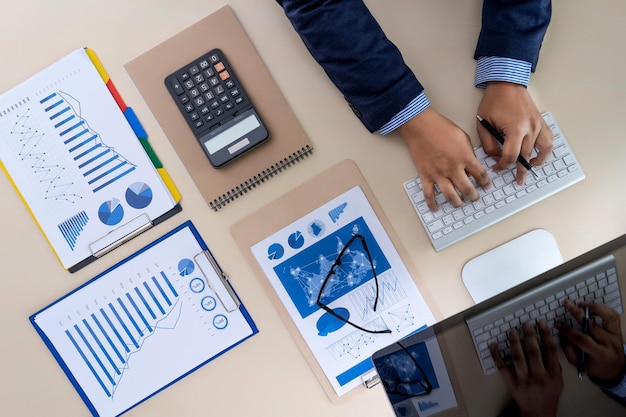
(513, 29)
(345, 39)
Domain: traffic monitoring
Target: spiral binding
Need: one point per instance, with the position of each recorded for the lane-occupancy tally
(260, 178)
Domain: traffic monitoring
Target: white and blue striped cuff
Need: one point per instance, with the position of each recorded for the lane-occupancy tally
(494, 68)
(415, 107)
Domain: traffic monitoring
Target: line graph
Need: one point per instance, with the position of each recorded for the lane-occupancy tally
(390, 293)
(108, 337)
(52, 176)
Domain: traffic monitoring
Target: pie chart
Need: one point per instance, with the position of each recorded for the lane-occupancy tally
(275, 251)
(139, 195)
(185, 267)
(111, 212)
(296, 240)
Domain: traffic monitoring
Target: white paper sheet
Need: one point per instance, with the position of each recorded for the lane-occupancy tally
(296, 260)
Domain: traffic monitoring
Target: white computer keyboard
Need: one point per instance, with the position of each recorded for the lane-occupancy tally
(449, 225)
(596, 282)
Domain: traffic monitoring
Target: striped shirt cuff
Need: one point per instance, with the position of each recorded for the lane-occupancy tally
(415, 107)
(493, 68)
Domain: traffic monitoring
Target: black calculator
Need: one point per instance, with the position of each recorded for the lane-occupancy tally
(216, 108)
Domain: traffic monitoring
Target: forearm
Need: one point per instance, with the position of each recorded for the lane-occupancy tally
(513, 29)
(345, 39)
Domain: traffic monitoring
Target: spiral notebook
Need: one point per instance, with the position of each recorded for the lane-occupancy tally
(288, 143)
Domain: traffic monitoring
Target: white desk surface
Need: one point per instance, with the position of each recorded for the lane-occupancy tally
(580, 79)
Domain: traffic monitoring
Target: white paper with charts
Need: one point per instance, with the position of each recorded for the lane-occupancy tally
(144, 324)
(74, 158)
(296, 261)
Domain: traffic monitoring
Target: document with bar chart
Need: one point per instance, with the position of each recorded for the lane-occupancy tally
(72, 151)
(145, 323)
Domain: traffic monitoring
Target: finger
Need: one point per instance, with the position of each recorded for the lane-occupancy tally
(582, 341)
(489, 143)
(479, 173)
(428, 188)
(610, 317)
(520, 173)
(466, 187)
(569, 350)
(576, 312)
(504, 370)
(449, 191)
(550, 353)
(533, 351)
(518, 357)
(544, 145)
(510, 150)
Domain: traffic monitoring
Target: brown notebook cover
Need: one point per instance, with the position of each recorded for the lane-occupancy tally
(292, 206)
(288, 142)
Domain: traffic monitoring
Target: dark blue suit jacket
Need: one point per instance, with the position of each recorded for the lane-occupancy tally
(345, 39)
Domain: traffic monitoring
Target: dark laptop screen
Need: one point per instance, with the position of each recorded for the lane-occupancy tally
(436, 372)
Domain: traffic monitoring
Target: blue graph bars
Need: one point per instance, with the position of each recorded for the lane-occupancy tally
(99, 164)
(107, 337)
(72, 227)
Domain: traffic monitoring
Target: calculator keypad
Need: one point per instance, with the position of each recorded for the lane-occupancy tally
(207, 92)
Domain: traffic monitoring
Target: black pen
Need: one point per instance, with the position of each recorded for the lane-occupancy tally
(581, 356)
(500, 139)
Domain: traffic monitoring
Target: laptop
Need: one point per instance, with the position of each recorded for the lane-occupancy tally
(440, 371)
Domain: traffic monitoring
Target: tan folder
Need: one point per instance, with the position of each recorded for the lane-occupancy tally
(290, 207)
(287, 144)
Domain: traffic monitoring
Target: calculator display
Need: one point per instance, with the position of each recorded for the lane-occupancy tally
(216, 107)
(228, 136)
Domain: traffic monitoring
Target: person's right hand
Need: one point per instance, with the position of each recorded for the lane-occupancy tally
(443, 155)
(606, 361)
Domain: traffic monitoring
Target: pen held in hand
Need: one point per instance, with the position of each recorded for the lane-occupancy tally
(581, 356)
(500, 139)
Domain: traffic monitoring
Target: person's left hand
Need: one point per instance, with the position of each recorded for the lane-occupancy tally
(510, 109)
(535, 379)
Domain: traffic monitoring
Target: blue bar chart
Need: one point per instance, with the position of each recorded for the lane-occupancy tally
(107, 338)
(100, 164)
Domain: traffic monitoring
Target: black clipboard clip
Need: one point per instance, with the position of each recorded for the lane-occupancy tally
(217, 280)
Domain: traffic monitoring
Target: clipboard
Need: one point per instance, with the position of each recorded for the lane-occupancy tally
(69, 147)
(288, 143)
(293, 205)
(110, 334)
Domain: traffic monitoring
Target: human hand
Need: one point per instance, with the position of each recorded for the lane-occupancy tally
(603, 346)
(443, 155)
(511, 110)
(535, 378)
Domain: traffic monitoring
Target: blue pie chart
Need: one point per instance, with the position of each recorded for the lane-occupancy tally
(185, 267)
(139, 195)
(111, 212)
(296, 240)
(275, 251)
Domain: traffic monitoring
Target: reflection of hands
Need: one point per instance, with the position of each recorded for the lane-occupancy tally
(535, 379)
(606, 362)
(443, 155)
(511, 110)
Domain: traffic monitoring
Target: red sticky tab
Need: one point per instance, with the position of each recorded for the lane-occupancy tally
(116, 95)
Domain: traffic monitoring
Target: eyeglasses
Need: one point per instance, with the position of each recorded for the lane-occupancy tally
(404, 376)
(332, 272)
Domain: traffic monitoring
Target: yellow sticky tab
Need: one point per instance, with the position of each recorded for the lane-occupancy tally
(96, 62)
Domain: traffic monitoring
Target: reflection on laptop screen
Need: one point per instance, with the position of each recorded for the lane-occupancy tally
(446, 370)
